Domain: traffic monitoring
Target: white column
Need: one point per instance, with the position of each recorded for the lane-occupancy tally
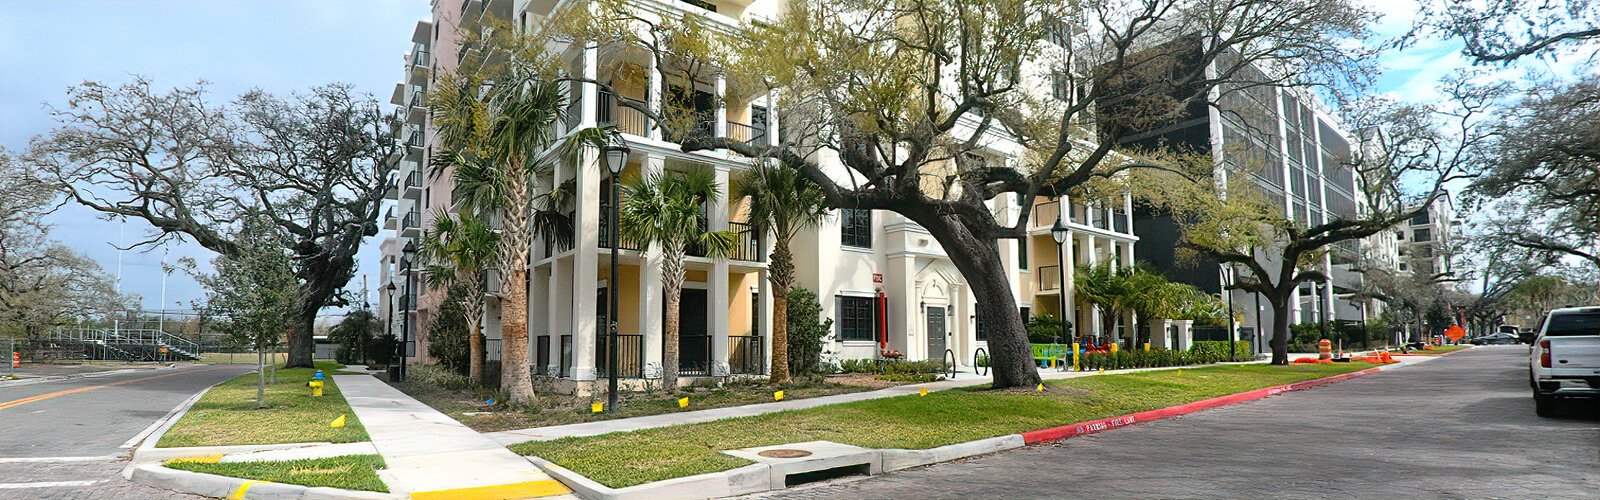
(650, 300)
(721, 123)
(904, 315)
(653, 98)
(772, 118)
(718, 221)
(765, 312)
(586, 264)
(1092, 258)
(591, 92)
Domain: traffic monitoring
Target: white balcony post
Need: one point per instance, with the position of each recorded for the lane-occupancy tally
(586, 261)
(720, 126)
(591, 92)
(772, 119)
(650, 300)
(719, 284)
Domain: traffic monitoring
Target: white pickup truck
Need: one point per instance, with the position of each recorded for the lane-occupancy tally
(1565, 359)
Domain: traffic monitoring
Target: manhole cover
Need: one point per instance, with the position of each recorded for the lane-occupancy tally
(785, 453)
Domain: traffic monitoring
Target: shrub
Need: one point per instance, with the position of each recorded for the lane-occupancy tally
(909, 377)
(437, 376)
(1046, 329)
(447, 336)
(892, 367)
(354, 335)
(858, 366)
(807, 330)
(1214, 351)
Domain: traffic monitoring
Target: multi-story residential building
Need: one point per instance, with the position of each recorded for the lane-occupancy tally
(1426, 241)
(411, 195)
(884, 281)
(1291, 147)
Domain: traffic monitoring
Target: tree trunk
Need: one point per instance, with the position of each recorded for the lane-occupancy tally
(516, 379)
(300, 343)
(979, 262)
(782, 275)
(1108, 325)
(475, 354)
(261, 379)
(1280, 329)
(672, 288)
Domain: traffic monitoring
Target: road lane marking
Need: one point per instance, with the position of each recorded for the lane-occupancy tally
(100, 458)
(19, 402)
(44, 484)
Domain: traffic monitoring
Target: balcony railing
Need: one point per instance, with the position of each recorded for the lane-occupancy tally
(415, 139)
(418, 99)
(606, 235)
(420, 58)
(1045, 214)
(1079, 214)
(412, 220)
(1119, 222)
(694, 355)
(413, 180)
(747, 354)
(753, 136)
(630, 355)
(747, 242)
(611, 111)
(1049, 278)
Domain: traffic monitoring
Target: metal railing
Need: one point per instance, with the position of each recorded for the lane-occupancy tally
(746, 242)
(1119, 222)
(126, 343)
(414, 180)
(630, 355)
(611, 111)
(412, 220)
(747, 354)
(418, 99)
(415, 139)
(1049, 278)
(606, 235)
(694, 355)
(755, 137)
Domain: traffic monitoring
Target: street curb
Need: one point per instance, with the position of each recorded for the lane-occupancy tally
(1100, 425)
(143, 453)
(753, 478)
(215, 486)
(898, 459)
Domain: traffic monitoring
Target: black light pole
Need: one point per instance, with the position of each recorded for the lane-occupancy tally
(1060, 233)
(410, 253)
(616, 158)
(1322, 307)
(388, 326)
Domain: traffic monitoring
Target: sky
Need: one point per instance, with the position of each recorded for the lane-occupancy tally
(280, 46)
(283, 46)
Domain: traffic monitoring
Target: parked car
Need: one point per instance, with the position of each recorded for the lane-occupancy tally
(1565, 360)
(1497, 339)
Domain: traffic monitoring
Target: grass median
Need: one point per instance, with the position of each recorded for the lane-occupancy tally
(227, 414)
(910, 422)
(351, 472)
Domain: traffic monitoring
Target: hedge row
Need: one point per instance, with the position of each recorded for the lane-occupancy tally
(1204, 352)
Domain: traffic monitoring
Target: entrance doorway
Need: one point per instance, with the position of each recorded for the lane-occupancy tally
(694, 337)
(937, 335)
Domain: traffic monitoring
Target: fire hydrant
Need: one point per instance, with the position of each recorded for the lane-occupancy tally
(316, 384)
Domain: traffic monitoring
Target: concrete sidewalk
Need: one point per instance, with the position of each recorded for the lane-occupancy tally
(430, 455)
(963, 379)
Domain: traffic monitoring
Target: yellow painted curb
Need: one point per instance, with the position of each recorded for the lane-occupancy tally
(529, 489)
(238, 494)
(203, 459)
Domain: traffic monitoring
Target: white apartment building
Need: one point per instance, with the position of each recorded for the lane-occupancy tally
(1426, 242)
(883, 280)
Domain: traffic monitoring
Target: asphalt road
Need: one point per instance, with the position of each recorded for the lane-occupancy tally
(1457, 427)
(69, 438)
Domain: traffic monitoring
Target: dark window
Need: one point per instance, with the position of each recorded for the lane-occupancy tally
(755, 314)
(1420, 219)
(1573, 324)
(1422, 235)
(856, 318)
(856, 227)
(1022, 253)
(1026, 313)
(982, 329)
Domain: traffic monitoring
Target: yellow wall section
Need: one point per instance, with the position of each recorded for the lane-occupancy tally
(739, 311)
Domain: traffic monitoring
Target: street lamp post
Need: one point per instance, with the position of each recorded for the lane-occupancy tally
(1322, 307)
(410, 252)
(388, 326)
(616, 158)
(1060, 233)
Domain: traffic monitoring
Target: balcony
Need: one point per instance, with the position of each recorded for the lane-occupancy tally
(606, 236)
(611, 111)
(389, 220)
(1048, 278)
(414, 146)
(746, 242)
(411, 225)
(417, 107)
(1045, 214)
(751, 135)
(420, 66)
(413, 185)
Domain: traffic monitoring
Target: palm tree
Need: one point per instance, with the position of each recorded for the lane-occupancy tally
(459, 250)
(493, 142)
(1109, 286)
(782, 202)
(668, 209)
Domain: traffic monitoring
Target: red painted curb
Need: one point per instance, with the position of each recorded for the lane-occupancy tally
(1105, 424)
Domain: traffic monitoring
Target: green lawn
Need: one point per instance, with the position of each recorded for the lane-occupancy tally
(227, 414)
(911, 422)
(1438, 350)
(352, 472)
